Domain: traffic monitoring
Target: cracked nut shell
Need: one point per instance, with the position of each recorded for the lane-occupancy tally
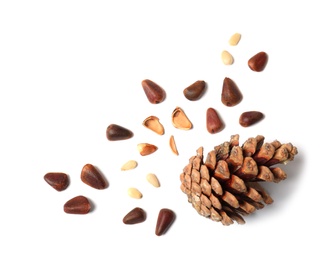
(153, 123)
(173, 145)
(146, 148)
(180, 120)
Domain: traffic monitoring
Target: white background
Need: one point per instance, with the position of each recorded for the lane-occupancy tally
(68, 69)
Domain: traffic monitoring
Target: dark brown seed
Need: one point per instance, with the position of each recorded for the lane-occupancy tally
(250, 117)
(164, 221)
(155, 93)
(195, 91)
(57, 180)
(230, 95)
(258, 61)
(92, 177)
(116, 132)
(77, 205)
(135, 216)
(213, 121)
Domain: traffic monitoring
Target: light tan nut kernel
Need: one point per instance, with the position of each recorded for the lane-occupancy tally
(173, 145)
(131, 164)
(134, 193)
(227, 58)
(234, 39)
(153, 180)
(152, 123)
(180, 120)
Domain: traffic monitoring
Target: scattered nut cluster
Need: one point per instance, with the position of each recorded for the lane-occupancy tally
(90, 175)
(226, 57)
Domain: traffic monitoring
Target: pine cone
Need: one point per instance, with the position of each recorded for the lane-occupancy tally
(226, 185)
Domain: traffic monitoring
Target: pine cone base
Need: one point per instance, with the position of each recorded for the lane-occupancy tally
(226, 185)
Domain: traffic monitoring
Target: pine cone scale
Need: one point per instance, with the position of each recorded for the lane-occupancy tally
(265, 174)
(222, 172)
(230, 199)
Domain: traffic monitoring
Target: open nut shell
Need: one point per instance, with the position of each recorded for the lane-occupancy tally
(152, 123)
(180, 120)
(173, 145)
(146, 148)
